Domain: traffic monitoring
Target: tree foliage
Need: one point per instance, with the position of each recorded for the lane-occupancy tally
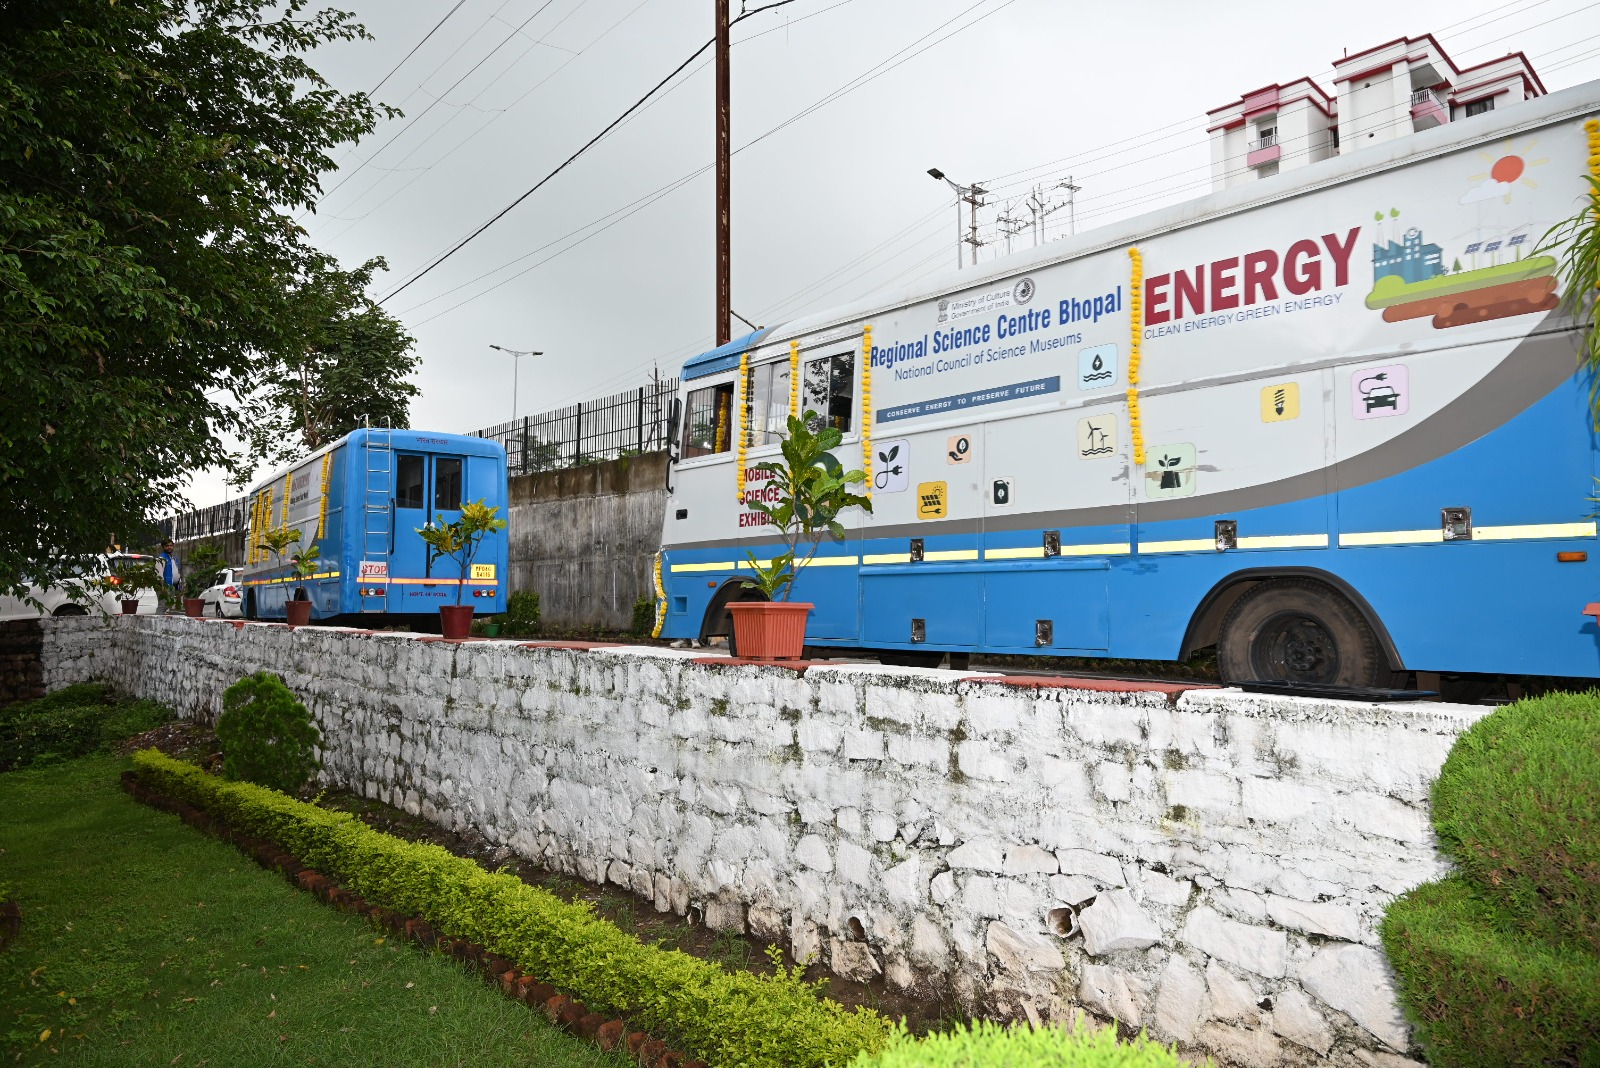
(152, 154)
(353, 366)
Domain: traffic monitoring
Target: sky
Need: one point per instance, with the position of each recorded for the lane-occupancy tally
(839, 108)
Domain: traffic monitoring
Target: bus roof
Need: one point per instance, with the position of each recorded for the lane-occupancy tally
(421, 440)
(1572, 103)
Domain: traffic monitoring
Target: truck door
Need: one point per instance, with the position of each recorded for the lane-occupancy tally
(427, 490)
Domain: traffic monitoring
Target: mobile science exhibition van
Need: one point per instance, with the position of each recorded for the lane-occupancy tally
(1332, 423)
(361, 501)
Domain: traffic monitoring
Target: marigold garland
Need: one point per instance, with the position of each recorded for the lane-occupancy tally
(288, 488)
(322, 516)
(661, 601)
(866, 408)
(744, 421)
(1136, 307)
(1593, 129)
(794, 379)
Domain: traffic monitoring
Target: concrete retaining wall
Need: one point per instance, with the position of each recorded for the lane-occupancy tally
(1208, 865)
(583, 538)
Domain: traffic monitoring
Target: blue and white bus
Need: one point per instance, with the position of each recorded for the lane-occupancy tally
(1332, 423)
(361, 501)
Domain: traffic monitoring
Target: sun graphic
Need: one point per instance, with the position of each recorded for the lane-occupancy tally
(1508, 168)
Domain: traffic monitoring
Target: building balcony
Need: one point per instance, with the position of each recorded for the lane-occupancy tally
(1427, 110)
(1266, 150)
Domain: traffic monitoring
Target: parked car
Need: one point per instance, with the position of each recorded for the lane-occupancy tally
(224, 598)
(78, 594)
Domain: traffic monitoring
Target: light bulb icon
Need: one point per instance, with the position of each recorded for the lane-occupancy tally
(1279, 396)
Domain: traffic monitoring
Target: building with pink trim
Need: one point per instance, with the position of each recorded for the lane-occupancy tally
(1384, 92)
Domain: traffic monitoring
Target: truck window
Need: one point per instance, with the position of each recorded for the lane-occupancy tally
(708, 427)
(408, 482)
(447, 483)
(829, 389)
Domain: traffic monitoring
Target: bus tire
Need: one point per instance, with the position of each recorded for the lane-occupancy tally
(70, 610)
(1300, 630)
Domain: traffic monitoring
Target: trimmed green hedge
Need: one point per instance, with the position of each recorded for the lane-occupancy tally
(1500, 963)
(1482, 992)
(727, 1018)
(1517, 807)
(987, 1045)
(71, 722)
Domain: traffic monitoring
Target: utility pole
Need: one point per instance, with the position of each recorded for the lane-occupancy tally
(973, 196)
(724, 166)
(1008, 224)
(1072, 207)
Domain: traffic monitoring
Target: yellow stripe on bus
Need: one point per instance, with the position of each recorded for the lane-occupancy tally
(1183, 545)
(1535, 530)
(1285, 541)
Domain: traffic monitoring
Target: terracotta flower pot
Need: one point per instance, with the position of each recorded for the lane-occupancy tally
(770, 630)
(455, 620)
(194, 606)
(299, 612)
(130, 606)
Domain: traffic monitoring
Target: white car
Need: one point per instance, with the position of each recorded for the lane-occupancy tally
(225, 597)
(74, 595)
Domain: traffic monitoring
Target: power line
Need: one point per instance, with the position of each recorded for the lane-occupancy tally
(434, 103)
(416, 46)
(871, 74)
(449, 153)
(613, 124)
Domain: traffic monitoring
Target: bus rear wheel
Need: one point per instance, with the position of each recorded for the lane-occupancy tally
(1299, 630)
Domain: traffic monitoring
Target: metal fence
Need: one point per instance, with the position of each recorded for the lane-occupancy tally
(622, 424)
(225, 518)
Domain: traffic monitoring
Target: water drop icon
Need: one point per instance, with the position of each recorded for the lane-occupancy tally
(1098, 363)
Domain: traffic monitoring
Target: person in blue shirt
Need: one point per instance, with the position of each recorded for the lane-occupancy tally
(169, 564)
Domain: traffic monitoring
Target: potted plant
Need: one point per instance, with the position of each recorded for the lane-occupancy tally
(128, 582)
(199, 570)
(460, 541)
(812, 488)
(304, 565)
(297, 609)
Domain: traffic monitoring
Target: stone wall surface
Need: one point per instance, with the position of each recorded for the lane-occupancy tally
(1210, 866)
(21, 672)
(584, 538)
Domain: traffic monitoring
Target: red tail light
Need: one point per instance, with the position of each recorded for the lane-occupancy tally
(230, 591)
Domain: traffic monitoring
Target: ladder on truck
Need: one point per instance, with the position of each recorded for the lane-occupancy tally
(377, 533)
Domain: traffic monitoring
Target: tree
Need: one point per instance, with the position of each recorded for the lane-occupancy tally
(354, 365)
(151, 157)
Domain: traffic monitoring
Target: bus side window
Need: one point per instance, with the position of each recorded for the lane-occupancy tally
(408, 482)
(447, 483)
(829, 389)
(769, 416)
(708, 427)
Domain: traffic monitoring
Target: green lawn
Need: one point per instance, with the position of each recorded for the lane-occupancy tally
(145, 942)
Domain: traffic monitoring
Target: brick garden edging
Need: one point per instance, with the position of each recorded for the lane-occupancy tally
(566, 1013)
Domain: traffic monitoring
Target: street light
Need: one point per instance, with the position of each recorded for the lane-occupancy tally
(970, 194)
(514, 362)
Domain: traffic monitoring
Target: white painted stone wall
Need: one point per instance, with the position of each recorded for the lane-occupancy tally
(1238, 850)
